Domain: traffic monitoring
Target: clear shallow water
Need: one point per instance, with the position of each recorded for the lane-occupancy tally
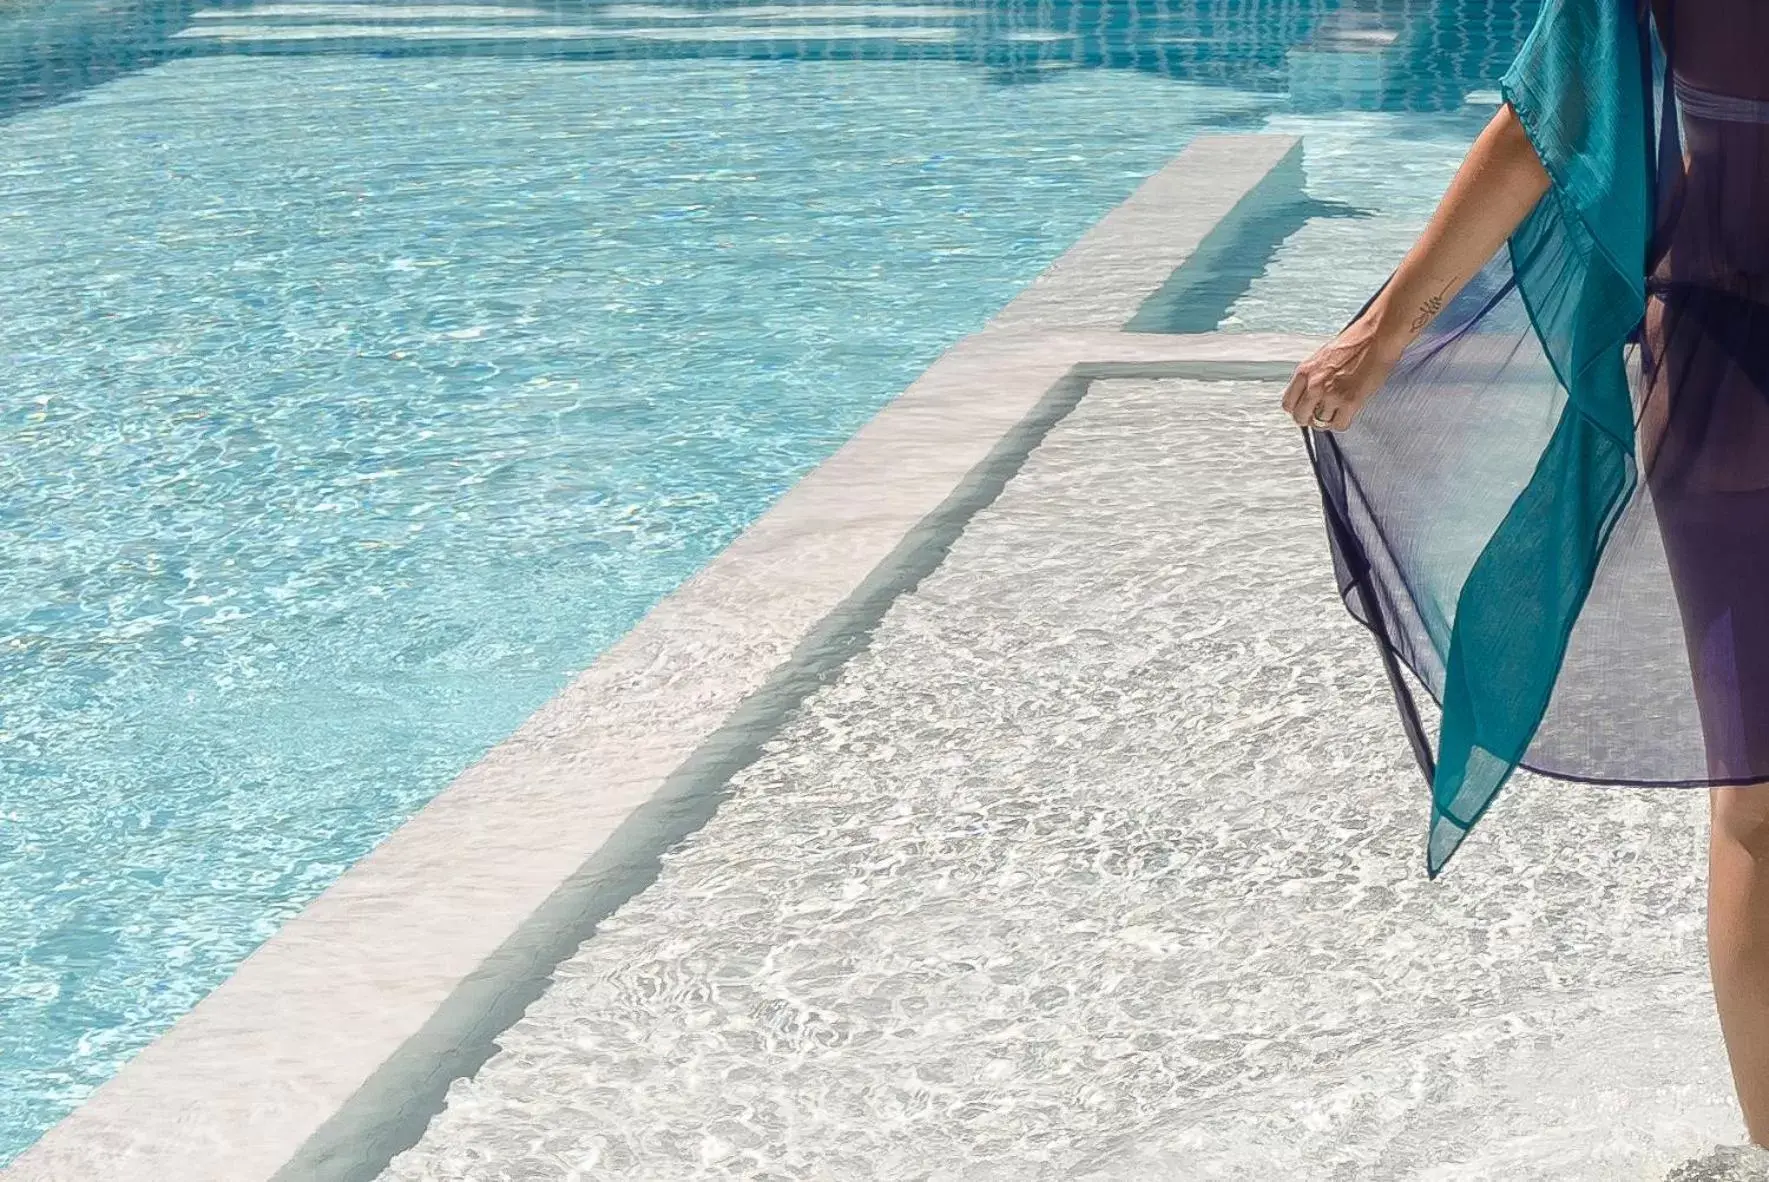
(1104, 861)
(1385, 172)
(354, 403)
(358, 401)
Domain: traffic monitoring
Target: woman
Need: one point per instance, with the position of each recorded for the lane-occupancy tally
(1555, 509)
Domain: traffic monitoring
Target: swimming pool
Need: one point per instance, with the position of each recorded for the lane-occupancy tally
(360, 399)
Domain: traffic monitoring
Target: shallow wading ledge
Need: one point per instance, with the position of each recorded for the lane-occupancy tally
(331, 1046)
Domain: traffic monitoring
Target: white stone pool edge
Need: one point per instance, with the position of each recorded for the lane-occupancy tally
(330, 1047)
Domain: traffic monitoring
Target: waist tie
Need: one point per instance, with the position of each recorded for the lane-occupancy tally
(1724, 108)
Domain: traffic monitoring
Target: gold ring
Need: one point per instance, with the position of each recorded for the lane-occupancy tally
(1318, 422)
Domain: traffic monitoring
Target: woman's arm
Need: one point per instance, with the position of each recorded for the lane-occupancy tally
(1494, 190)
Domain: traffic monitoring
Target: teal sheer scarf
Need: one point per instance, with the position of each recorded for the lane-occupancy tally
(1471, 503)
(1579, 263)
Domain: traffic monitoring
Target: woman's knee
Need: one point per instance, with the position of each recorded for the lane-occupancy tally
(1740, 816)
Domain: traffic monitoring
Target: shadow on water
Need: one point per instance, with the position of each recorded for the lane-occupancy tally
(1200, 292)
(53, 49)
(1325, 54)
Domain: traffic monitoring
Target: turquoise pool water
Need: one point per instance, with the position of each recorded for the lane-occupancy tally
(357, 401)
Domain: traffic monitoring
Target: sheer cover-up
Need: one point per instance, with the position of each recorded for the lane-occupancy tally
(1555, 514)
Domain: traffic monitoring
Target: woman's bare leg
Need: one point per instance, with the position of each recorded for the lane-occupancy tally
(1738, 941)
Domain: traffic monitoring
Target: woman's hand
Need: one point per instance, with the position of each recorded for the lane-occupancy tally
(1330, 387)
(1494, 190)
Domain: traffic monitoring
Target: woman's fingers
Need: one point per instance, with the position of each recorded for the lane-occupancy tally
(1317, 396)
(1294, 391)
(1307, 407)
(1310, 400)
(1329, 389)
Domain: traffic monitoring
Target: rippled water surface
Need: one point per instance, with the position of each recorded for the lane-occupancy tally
(355, 400)
(1104, 862)
(339, 432)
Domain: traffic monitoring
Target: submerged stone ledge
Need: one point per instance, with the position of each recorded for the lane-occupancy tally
(331, 1046)
(1102, 861)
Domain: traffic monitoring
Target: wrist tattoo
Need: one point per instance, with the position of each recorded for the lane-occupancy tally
(1432, 306)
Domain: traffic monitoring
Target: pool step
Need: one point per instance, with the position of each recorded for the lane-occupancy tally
(328, 1049)
(350, 25)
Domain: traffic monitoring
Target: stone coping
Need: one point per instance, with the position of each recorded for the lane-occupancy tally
(331, 1046)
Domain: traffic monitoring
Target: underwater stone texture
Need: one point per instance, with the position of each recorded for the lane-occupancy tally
(1105, 860)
